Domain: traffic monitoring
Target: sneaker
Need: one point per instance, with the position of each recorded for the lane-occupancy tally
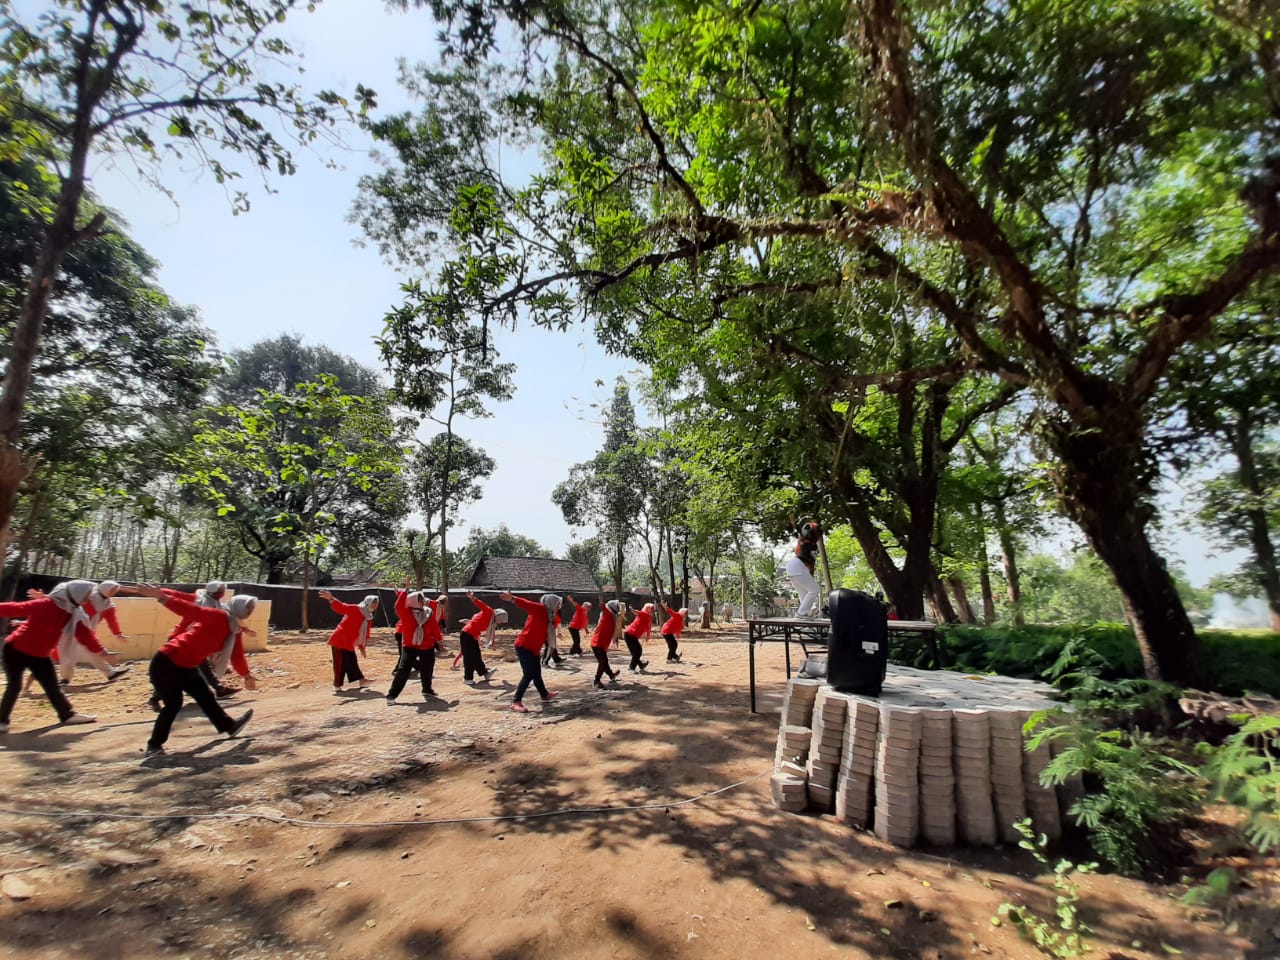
(469, 683)
(551, 695)
(644, 664)
(239, 724)
(222, 692)
(519, 707)
(117, 672)
(366, 682)
(78, 718)
(430, 693)
(598, 685)
(152, 752)
(391, 701)
(613, 678)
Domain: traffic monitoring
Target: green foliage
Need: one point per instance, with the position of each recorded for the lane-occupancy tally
(297, 470)
(1136, 794)
(1245, 771)
(1235, 661)
(1063, 937)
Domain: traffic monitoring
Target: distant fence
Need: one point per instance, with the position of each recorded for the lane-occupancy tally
(286, 602)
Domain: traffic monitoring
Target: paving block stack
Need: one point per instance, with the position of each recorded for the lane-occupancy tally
(938, 756)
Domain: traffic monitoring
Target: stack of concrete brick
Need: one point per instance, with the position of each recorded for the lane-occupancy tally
(938, 756)
(826, 746)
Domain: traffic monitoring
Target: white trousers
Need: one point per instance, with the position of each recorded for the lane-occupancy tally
(804, 583)
(71, 653)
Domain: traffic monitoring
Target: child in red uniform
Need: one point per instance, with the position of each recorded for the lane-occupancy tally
(578, 623)
(641, 626)
(210, 632)
(421, 632)
(606, 632)
(98, 606)
(46, 621)
(538, 629)
(469, 641)
(671, 631)
(352, 632)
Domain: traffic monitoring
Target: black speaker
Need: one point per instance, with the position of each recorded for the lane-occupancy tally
(858, 652)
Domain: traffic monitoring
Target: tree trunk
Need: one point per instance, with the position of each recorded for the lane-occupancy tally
(941, 602)
(988, 597)
(1104, 480)
(963, 607)
(684, 570)
(1259, 536)
(742, 573)
(671, 569)
(1010, 558)
(617, 570)
(907, 598)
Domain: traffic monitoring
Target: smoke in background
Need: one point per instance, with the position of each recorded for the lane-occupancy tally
(1233, 613)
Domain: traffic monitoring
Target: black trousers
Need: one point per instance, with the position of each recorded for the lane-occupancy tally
(576, 649)
(411, 658)
(171, 682)
(345, 666)
(602, 664)
(17, 663)
(672, 644)
(472, 661)
(633, 645)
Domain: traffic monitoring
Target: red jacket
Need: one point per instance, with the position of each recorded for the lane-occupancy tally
(674, 625)
(349, 630)
(478, 624)
(204, 637)
(534, 635)
(603, 637)
(182, 625)
(579, 619)
(41, 627)
(641, 625)
(408, 626)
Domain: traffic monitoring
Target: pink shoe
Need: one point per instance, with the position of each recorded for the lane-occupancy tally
(519, 707)
(551, 695)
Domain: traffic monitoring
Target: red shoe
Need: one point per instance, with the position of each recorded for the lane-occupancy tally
(551, 695)
(519, 707)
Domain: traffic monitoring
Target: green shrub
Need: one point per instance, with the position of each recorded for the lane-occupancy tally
(1236, 661)
(1245, 771)
(1137, 795)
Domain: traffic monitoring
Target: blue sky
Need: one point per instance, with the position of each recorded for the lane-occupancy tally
(291, 265)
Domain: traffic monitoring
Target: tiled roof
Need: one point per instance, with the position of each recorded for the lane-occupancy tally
(533, 573)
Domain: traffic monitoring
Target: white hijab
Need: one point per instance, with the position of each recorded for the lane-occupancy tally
(499, 616)
(69, 597)
(212, 594)
(552, 604)
(417, 604)
(239, 609)
(367, 606)
(100, 600)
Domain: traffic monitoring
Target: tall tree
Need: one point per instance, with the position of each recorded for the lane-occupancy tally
(119, 77)
(444, 477)
(445, 369)
(607, 491)
(1074, 191)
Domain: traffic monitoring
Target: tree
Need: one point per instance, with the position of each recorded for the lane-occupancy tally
(297, 458)
(1074, 192)
(607, 491)
(102, 76)
(1227, 399)
(589, 553)
(444, 477)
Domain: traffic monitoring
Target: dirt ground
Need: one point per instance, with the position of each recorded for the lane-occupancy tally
(458, 829)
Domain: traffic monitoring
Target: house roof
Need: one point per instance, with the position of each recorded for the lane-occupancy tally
(533, 573)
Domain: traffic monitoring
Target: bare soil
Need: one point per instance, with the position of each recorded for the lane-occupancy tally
(455, 828)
